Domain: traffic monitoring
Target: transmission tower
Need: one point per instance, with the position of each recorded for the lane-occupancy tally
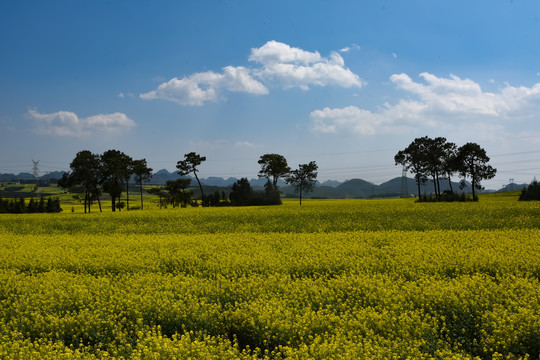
(35, 169)
(404, 186)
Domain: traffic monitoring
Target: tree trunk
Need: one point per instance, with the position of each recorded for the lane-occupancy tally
(450, 183)
(113, 200)
(127, 195)
(200, 186)
(301, 194)
(418, 183)
(438, 186)
(140, 184)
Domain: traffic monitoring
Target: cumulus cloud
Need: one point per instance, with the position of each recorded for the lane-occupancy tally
(358, 120)
(293, 67)
(278, 63)
(67, 123)
(198, 88)
(443, 103)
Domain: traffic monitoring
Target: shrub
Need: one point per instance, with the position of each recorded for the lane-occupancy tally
(532, 192)
(447, 196)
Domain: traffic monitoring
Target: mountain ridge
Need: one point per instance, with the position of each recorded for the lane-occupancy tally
(353, 188)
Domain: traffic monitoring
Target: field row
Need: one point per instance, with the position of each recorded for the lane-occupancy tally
(403, 254)
(372, 295)
(316, 216)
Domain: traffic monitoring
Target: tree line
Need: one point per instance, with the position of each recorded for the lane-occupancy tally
(438, 159)
(273, 168)
(91, 175)
(19, 206)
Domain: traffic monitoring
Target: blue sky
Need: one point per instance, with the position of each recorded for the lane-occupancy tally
(344, 83)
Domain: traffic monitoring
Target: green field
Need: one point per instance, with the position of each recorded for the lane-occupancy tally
(332, 279)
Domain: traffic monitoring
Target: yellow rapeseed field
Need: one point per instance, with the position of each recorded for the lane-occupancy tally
(332, 279)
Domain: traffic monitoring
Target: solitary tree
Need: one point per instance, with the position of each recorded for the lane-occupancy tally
(189, 165)
(473, 163)
(142, 174)
(115, 168)
(273, 167)
(303, 179)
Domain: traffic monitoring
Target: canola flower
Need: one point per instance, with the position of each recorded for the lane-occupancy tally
(352, 279)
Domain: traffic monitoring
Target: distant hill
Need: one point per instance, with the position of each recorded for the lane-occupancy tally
(357, 188)
(27, 177)
(513, 187)
(354, 188)
(331, 183)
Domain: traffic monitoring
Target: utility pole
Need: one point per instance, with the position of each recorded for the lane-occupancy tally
(35, 171)
(404, 186)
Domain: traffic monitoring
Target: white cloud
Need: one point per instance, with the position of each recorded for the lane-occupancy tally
(293, 67)
(67, 123)
(198, 88)
(358, 120)
(281, 63)
(277, 52)
(239, 79)
(121, 95)
(244, 144)
(223, 144)
(441, 103)
(347, 49)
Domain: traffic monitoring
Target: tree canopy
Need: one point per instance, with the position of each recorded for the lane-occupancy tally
(304, 178)
(273, 167)
(241, 193)
(115, 172)
(436, 157)
(84, 178)
(473, 164)
(189, 166)
(413, 158)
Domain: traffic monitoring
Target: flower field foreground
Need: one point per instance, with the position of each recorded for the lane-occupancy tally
(349, 279)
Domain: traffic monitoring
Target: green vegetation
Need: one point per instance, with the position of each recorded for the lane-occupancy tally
(532, 192)
(21, 206)
(435, 158)
(92, 174)
(347, 279)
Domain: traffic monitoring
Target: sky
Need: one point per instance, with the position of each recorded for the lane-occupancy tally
(346, 84)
